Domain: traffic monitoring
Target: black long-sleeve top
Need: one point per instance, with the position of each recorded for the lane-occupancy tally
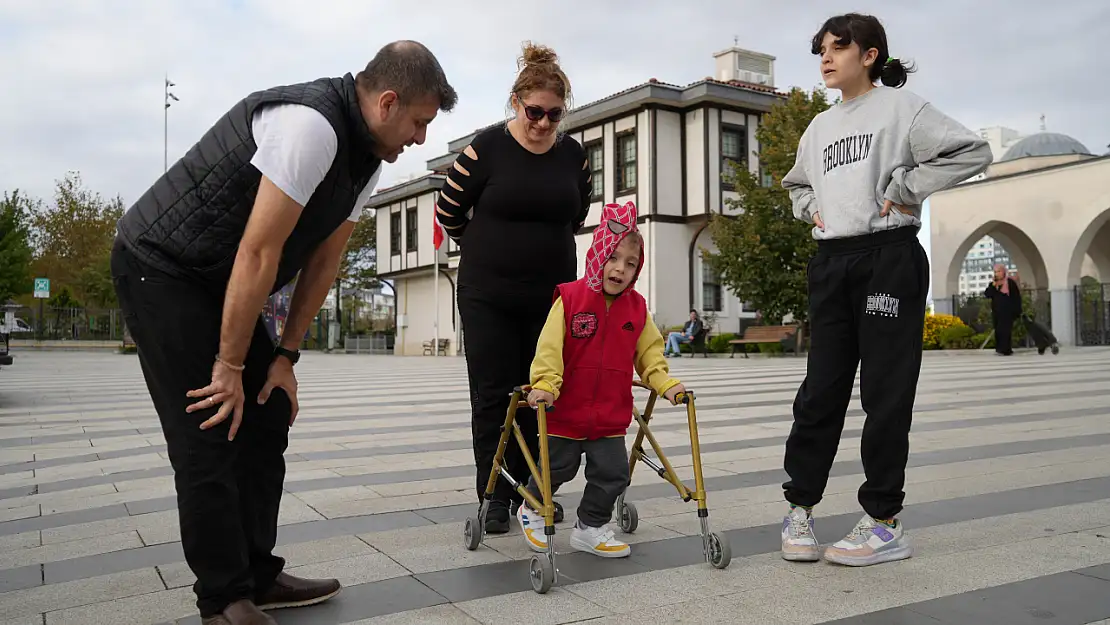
(1002, 305)
(515, 213)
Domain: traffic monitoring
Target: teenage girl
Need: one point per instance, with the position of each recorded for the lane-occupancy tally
(863, 169)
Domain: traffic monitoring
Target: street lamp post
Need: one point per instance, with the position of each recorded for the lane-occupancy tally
(166, 125)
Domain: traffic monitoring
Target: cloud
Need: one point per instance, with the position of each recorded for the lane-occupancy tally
(83, 79)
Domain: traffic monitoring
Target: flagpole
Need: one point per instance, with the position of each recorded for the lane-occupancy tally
(435, 287)
(436, 242)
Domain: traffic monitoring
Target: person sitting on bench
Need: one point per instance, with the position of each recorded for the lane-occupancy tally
(689, 331)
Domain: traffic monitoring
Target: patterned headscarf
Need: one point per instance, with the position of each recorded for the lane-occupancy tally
(616, 222)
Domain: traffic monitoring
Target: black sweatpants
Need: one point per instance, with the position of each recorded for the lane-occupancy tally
(606, 474)
(228, 493)
(500, 335)
(867, 308)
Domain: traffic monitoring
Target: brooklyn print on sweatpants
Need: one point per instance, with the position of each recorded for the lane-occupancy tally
(869, 280)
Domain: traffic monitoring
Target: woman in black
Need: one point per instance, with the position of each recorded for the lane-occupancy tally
(1005, 300)
(513, 201)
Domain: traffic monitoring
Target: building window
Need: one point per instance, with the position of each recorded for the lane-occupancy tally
(711, 296)
(395, 233)
(595, 153)
(410, 230)
(734, 148)
(626, 163)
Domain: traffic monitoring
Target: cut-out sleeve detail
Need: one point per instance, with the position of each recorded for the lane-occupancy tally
(586, 187)
(441, 214)
(464, 183)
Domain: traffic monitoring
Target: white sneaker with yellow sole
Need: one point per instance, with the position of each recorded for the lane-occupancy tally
(598, 541)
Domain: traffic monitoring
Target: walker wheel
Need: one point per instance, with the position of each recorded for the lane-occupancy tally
(542, 573)
(1055, 349)
(720, 551)
(472, 533)
(630, 518)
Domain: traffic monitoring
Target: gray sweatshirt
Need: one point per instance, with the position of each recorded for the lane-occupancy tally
(888, 144)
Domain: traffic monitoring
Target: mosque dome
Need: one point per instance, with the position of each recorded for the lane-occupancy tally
(1045, 144)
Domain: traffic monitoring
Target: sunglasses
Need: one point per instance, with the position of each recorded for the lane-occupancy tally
(536, 113)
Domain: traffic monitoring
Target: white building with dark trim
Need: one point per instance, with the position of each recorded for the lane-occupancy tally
(659, 145)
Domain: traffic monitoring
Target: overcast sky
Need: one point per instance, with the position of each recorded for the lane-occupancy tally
(82, 80)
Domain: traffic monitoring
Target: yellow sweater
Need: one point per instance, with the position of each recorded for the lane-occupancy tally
(547, 367)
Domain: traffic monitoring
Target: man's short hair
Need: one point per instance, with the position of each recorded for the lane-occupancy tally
(410, 70)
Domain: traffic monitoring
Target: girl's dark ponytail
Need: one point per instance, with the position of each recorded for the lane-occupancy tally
(894, 74)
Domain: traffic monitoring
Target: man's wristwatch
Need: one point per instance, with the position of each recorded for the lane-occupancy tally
(292, 356)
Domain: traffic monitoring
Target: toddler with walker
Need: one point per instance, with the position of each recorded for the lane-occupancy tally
(597, 333)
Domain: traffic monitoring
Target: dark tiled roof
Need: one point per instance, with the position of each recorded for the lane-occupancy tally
(654, 81)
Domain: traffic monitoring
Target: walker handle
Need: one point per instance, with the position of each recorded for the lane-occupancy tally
(684, 397)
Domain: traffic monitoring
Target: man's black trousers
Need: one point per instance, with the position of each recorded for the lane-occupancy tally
(228, 493)
(867, 308)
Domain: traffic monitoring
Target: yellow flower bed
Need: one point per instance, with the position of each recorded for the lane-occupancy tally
(934, 325)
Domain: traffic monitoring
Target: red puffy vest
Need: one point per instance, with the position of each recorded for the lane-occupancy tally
(599, 352)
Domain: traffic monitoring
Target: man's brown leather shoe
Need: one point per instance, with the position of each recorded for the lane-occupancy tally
(242, 612)
(294, 592)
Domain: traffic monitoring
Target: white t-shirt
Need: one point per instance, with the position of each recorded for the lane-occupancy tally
(296, 148)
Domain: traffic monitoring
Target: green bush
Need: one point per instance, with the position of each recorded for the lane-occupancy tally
(977, 340)
(718, 344)
(770, 348)
(957, 337)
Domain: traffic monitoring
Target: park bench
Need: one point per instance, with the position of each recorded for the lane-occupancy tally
(700, 343)
(762, 334)
(442, 347)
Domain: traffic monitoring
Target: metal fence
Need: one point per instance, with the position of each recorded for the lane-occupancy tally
(1092, 313)
(353, 334)
(368, 344)
(68, 324)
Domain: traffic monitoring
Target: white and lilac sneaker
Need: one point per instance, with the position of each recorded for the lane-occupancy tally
(798, 542)
(871, 542)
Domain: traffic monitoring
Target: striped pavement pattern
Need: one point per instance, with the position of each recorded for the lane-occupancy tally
(1008, 501)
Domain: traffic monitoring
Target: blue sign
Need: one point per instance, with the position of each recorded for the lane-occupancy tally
(42, 288)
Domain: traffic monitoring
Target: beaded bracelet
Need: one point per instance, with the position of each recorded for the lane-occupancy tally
(229, 365)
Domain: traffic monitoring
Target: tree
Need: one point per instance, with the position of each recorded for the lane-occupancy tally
(358, 267)
(73, 241)
(763, 251)
(15, 247)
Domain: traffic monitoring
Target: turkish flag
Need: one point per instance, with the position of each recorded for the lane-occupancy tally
(437, 232)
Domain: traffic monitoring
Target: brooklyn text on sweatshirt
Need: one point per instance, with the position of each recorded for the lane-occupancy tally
(888, 144)
(846, 151)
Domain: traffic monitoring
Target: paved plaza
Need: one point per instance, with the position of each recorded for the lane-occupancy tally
(1008, 502)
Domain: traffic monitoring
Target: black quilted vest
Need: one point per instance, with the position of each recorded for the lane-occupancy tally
(190, 222)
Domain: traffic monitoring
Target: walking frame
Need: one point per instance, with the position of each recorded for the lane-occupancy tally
(542, 570)
(715, 547)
